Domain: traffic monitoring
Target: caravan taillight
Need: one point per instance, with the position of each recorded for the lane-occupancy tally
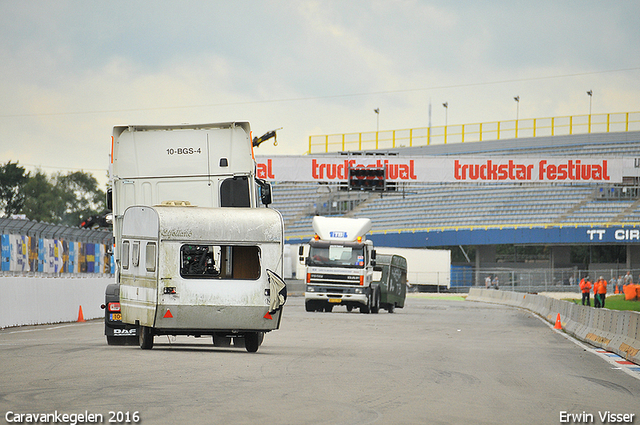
(114, 306)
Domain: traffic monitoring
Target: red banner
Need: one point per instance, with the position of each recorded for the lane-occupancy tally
(444, 169)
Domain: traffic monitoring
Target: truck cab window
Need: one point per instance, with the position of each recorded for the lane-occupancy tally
(219, 262)
(234, 192)
(328, 255)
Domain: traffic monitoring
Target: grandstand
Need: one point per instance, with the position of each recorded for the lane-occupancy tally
(483, 214)
(453, 205)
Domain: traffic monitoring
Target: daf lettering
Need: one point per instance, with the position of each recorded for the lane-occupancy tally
(126, 332)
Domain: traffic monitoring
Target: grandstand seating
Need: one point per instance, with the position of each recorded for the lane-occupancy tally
(428, 206)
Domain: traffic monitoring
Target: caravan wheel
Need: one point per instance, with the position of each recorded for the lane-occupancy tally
(252, 341)
(145, 337)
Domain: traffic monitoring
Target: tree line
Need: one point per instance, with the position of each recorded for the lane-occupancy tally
(57, 199)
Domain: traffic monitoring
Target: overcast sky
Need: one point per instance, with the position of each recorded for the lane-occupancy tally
(71, 70)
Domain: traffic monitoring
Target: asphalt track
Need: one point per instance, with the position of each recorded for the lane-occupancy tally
(436, 361)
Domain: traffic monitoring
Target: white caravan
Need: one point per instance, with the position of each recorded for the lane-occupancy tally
(201, 271)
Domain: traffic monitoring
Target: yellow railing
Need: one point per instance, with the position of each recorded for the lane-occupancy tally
(464, 133)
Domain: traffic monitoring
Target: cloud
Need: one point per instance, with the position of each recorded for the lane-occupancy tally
(72, 70)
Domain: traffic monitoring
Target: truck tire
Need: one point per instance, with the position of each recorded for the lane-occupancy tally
(309, 306)
(366, 309)
(145, 337)
(391, 308)
(252, 341)
(375, 303)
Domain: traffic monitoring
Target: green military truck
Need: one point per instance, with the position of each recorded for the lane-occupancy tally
(393, 281)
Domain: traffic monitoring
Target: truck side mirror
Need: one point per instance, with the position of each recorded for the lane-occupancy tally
(265, 191)
(110, 199)
(373, 254)
(377, 268)
(377, 275)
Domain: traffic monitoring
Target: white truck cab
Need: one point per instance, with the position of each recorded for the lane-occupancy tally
(340, 266)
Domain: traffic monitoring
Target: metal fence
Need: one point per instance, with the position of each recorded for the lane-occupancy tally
(38, 229)
(36, 248)
(536, 280)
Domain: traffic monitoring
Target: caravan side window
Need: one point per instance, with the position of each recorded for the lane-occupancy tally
(220, 262)
(125, 255)
(150, 257)
(135, 254)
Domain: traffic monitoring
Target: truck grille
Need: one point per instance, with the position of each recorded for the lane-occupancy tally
(333, 279)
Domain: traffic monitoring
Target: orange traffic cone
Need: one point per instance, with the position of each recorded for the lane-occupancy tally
(80, 315)
(615, 291)
(558, 323)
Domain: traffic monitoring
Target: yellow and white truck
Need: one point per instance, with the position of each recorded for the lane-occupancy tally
(341, 269)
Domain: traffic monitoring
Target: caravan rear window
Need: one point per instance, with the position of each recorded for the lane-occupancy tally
(219, 262)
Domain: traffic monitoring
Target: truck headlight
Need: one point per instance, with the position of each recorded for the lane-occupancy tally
(359, 290)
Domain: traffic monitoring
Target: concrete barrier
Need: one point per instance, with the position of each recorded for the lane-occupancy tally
(44, 300)
(615, 331)
(30, 300)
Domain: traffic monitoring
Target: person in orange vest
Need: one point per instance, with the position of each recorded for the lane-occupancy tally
(600, 292)
(585, 287)
(596, 298)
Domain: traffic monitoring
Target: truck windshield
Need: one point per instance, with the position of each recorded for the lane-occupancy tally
(328, 255)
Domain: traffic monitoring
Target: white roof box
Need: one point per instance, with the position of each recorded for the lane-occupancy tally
(341, 228)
